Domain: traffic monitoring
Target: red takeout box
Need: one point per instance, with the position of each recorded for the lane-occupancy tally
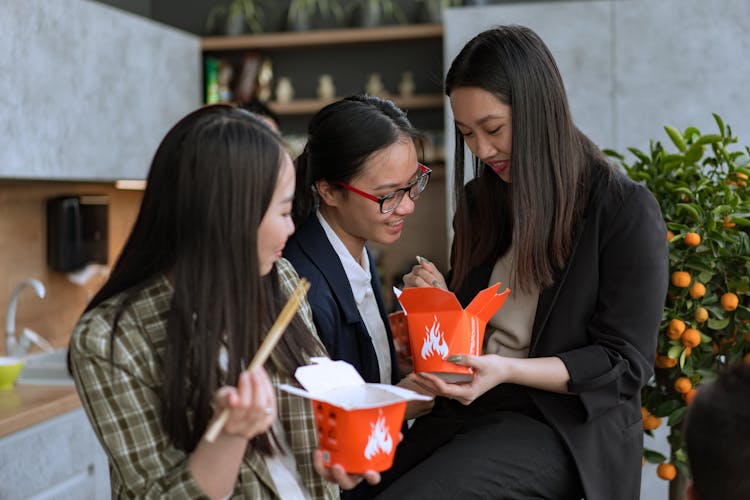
(439, 327)
(358, 424)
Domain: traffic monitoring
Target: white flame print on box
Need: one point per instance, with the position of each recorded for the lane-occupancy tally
(434, 342)
(380, 439)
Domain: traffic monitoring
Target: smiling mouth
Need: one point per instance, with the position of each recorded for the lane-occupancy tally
(499, 166)
(395, 223)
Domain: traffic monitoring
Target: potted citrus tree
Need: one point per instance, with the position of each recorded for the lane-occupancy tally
(702, 188)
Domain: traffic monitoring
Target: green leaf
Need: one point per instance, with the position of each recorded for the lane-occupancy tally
(676, 137)
(717, 324)
(705, 276)
(690, 209)
(694, 154)
(719, 123)
(709, 139)
(676, 416)
(674, 351)
(653, 457)
(666, 408)
(613, 154)
(682, 358)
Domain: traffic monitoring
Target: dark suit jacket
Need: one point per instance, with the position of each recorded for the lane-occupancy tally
(335, 312)
(601, 318)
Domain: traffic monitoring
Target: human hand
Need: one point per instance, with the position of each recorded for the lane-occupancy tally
(336, 473)
(251, 405)
(417, 408)
(424, 274)
(489, 371)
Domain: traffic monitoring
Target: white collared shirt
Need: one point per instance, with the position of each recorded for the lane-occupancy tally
(360, 282)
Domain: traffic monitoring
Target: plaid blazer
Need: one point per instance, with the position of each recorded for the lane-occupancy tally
(123, 405)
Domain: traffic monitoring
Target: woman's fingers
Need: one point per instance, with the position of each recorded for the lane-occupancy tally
(337, 474)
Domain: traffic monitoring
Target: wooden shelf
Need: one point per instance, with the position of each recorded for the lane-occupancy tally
(294, 39)
(311, 106)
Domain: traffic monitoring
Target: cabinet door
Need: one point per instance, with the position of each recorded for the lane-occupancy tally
(59, 458)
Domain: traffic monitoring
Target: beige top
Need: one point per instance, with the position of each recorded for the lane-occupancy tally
(509, 330)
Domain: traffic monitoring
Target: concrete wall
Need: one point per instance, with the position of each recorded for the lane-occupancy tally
(88, 90)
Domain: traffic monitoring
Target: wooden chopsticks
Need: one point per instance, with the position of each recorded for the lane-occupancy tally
(274, 334)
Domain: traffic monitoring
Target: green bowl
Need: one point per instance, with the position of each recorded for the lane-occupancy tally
(10, 368)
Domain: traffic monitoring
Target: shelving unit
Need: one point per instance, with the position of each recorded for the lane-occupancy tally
(310, 106)
(350, 56)
(317, 38)
(305, 46)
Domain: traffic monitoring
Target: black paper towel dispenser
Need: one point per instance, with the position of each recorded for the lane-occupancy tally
(77, 231)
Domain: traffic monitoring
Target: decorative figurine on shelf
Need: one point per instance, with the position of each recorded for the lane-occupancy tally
(284, 90)
(406, 86)
(375, 86)
(265, 78)
(326, 89)
(226, 72)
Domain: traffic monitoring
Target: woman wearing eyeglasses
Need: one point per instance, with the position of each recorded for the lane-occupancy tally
(357, 181)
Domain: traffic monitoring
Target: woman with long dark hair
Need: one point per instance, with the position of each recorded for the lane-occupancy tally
(553, 410)
(195, 290)
(358, 179)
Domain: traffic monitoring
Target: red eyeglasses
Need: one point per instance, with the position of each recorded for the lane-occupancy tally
(390, 201)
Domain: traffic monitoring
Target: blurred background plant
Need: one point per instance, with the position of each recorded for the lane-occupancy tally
(308, 14)
(237, 17)
(703, 194)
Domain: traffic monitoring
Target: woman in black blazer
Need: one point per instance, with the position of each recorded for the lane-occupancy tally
(555, 413)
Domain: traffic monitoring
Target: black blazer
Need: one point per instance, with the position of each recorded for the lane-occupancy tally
(601, 318)
(335, 312)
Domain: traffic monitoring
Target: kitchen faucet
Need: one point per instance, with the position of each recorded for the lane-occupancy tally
(14, 347)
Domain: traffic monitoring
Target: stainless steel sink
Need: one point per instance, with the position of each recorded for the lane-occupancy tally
(46, 368)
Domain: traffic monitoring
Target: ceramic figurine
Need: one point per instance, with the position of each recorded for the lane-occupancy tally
(284, 90)
(265, 77)
(326, 89)
(406, 85)
(375, 86)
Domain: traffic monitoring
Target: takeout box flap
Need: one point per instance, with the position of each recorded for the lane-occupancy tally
(428, 299)
(339, 384)
(487, 302)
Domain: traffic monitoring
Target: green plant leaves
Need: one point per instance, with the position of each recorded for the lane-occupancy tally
(702, 185)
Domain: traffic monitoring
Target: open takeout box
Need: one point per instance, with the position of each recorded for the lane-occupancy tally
(439, 327)
(358, 423)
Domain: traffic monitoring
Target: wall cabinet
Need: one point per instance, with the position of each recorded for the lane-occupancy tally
(59, 458)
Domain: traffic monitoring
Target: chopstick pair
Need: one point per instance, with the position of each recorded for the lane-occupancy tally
(265, 349)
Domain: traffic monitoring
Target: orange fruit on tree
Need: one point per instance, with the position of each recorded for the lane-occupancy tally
(670, 235)
(701, 314)
(681, 279)
(675, 329)
(698, 290)
(689, 395)
(692, 239)
(688, 351)
(682, 385)
(746, 358)
(664, 361)
(740, 175)
(691, 337)
(651, 422)
(666, 471)
(728, 222)
(644, 412)
(729, 301)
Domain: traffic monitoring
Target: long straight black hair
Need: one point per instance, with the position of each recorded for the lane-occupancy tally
(549, 162)
(340, 138)
(209, 186)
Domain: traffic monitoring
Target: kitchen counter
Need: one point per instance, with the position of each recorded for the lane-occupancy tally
(27, 405)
